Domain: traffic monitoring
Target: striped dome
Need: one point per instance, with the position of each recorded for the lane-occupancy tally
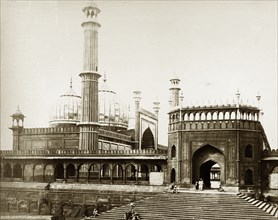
(67, 110)
(112, 114)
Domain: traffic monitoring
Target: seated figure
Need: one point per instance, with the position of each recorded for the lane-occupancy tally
(131, 214)
(95, 213)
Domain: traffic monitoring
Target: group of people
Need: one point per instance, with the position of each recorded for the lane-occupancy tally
(173, 188)
(131, 214)
(199, 185)
(94, 214)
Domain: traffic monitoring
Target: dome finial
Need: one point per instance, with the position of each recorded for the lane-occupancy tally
(71, 82)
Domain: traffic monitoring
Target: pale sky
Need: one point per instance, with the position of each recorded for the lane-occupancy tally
(215, 47)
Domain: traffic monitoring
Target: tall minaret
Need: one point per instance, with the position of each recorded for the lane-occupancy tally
(137, 98)
(89, 126)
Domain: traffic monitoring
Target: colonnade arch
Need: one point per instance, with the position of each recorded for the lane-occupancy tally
(17, 170)
(82, 172)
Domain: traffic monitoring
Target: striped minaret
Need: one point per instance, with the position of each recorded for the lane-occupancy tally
(89, 126)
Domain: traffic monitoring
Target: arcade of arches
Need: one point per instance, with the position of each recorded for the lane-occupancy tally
(83, 172)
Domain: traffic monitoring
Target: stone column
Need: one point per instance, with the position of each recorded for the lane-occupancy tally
(65, 172)
(136, 173)
(76, 172)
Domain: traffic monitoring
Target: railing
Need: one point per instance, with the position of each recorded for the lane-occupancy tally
(84, 153)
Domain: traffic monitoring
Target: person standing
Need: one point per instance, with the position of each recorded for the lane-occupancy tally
(201, 184)
(197, 185)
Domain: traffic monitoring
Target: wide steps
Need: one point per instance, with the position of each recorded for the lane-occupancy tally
(192, 206)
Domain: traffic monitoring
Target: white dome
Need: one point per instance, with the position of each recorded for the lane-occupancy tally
(112, 114)
(67, 110)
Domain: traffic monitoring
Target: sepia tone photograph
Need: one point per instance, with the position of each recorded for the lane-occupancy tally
(137, 109)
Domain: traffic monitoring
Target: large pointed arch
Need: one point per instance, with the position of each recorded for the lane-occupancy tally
(147, 139)
(203, 159)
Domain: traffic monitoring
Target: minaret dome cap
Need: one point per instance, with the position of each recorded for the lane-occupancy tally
(91, 5)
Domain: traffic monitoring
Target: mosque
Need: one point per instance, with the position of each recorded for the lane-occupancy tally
(90, 141)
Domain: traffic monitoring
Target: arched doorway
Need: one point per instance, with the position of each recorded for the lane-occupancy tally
(59, 172)
(210, 173)
(147, 139)
(209, 164)
(70, 172)
(130, 172)
(173, 175)
(248, 177)
(143, 172)
(7, 171)
(117, 173)
(17, 171)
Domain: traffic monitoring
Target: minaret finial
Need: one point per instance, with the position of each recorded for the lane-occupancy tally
(238, 96)
(104, 77)
(71, 82)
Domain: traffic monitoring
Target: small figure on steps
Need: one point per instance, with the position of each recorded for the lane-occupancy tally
(201, 184)
(131, 215)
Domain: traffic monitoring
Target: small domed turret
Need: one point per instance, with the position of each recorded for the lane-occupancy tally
(18, 118)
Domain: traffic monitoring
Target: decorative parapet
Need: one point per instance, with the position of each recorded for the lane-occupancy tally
(50, 130)
(270, 153)
(84, 153)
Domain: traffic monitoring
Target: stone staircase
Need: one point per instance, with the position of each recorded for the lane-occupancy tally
(193, 205)
(267, 207)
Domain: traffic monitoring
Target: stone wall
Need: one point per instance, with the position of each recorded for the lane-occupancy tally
(62, 199)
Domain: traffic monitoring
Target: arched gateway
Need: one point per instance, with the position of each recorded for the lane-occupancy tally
(208, 164)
